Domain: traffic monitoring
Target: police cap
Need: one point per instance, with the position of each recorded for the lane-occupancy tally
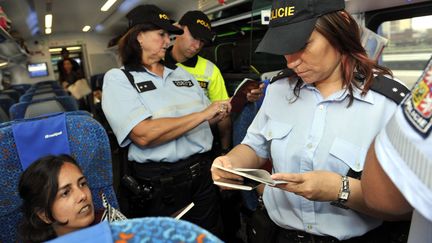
(198, 24)
(292, 23)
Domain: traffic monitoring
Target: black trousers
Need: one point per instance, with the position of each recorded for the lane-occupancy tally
(172, 186)
(262, 227)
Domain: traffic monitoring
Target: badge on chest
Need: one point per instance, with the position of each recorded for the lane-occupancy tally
(145, 86)
(183, 83)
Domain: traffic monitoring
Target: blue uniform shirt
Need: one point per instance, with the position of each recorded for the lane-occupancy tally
(176, 94)
(313, 133)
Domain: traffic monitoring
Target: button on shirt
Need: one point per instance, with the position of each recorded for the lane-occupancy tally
(312, 133)
(124, 108)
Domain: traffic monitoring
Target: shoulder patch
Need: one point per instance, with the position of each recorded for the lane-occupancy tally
(417, 108)
(390, 88)
(282, 74)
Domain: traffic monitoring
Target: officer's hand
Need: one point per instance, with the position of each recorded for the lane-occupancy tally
(218, 174)
(255, 94)
(217, 111)
(313, 185)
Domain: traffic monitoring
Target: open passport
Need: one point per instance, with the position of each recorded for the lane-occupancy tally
(251, 178)
(239, 98)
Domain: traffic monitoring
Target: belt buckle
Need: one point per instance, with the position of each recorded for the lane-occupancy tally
(195, 170)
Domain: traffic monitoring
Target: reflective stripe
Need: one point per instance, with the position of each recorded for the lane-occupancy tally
(209, 69)
(416, 161)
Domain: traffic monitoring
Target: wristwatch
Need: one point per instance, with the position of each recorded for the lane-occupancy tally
(343, 195)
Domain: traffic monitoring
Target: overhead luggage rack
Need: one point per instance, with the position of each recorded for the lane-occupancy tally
(10, 50)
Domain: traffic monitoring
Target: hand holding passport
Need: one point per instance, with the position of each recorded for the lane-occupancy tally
(239, 99)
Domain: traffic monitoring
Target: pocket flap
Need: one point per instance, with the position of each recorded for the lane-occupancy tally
(351, 154)
(276, 130)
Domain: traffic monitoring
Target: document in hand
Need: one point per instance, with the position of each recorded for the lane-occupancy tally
(257, 175)
(239, 98)
(247, 184)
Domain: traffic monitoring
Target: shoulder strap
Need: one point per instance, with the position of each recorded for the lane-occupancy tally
(282, 74)
(130, 78)
(390, 88)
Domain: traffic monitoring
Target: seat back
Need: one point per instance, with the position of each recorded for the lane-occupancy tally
(6, 103)
(43, 106)
(36, 94)
(88, 144)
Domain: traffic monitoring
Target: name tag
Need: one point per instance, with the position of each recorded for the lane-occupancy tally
(145, 86)
(183, 83)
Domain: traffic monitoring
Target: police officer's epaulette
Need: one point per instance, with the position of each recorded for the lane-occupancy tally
(282, 74)
(390, 88)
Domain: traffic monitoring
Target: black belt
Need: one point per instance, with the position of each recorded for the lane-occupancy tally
(301, 236)
(375, 235)
(172, 172)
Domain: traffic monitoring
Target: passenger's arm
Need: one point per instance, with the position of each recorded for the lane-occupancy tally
(152, 132)
(224, 128)
(379, 191)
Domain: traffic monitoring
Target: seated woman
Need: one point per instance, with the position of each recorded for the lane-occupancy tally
(56, 199)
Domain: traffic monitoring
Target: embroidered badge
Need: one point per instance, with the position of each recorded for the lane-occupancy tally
(203, 84)
(145, 86)
(183, 83)
(417, 108)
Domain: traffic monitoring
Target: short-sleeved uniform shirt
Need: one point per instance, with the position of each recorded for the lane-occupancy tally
(404, 150)
(313, 133)
(175, 94)
(206, 73)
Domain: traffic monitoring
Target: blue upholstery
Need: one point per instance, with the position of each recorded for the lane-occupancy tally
(47, 82)
(152, 229)
(21, 87)
(159, 229)
(89, 145)
(32, 94)
(6, 103)
(56, 104)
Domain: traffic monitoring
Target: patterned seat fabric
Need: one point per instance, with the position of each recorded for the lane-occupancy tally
(89, 145)
(159, 229)
(152, 229)
(42, 106)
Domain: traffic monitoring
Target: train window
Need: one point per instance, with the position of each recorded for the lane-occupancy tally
(409, 47)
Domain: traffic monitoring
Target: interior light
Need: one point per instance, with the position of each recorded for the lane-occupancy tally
(47, 31)
(2, 64)
(86, 28)
(55, 50)
(48, 21)
(107, 5)
(73, 48)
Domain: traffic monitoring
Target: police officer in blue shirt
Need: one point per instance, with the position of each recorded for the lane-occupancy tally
(163, 115)
(398, 169)
(316, 124)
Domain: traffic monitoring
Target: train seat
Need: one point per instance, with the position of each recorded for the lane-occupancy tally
(88, 144)
(42, 106)
(150, 229)
(36, 94)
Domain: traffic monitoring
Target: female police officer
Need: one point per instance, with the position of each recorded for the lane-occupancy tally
(316, 125)
(163, 115)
